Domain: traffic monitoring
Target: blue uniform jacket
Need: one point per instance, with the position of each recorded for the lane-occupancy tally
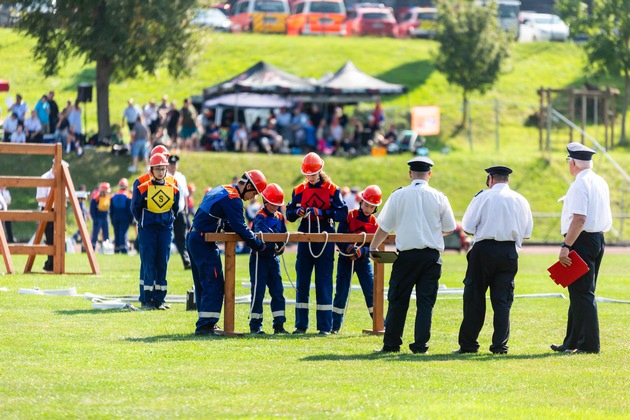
(120, 207)
(269, 223)
(222, 207)
(94, 211)
(325, 196)
(147, 219)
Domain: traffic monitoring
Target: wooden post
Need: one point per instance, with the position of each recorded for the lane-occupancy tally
(229, 290)
(378, 305)
(60, 215)
(6, 255)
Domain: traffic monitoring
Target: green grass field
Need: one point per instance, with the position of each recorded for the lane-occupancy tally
(61, 359)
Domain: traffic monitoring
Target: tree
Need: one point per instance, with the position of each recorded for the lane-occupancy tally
(608, 45)
(123, 38)
(472, 46)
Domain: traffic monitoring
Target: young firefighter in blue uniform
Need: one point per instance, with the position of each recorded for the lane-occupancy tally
(318, 202)
(141, 180)
(99, 210)
(356, 259)
(154, 206)
(222, 207)
(120, 213)
(264, 266)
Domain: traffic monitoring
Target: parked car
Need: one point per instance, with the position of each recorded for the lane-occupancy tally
(544, 27)
(212, 18)
(260, 16)
(371, 20)
(418, 22)
(317, 17)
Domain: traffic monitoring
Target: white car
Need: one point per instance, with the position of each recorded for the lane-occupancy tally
(543, 27)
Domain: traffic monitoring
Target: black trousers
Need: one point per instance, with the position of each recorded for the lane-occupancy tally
(491, 264)
(583, 321)
(49, 235)
(421, 268)
(9, 228)
(180, 226)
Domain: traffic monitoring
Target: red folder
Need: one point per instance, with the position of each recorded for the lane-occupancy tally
(564, 276)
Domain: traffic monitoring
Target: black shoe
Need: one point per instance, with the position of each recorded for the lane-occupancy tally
(210, 329)
(559, 348)
(258, 332)
(299, 331)
(147, 307)
(387, 349)
(280, 330)
(161, 307)
(578, 351)
(324, 333)
(188, 267)
(499, 351)
(419, 350)
(334, 332)
(462, 351)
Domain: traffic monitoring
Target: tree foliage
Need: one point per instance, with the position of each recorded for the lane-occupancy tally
(123, 38)
(472, 46)
(608, 46)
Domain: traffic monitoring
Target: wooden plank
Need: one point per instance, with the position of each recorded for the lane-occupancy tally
(28, 216)
(87, 241)
(27, 149)
(378, 304)
(6, 254)
(23, 249)
(25, 181)
(60, 215)
(39, 233)
(297, 237)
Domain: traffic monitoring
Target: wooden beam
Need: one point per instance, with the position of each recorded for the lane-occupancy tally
(229, 288)
(60, 215)
(6, 254)
(27, 149)
(23, 249)
(25, 181)
(28, 216)
(378, 303)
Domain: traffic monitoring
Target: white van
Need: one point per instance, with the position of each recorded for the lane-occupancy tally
(508, 14)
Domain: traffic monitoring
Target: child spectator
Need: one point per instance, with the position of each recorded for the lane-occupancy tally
(264, 266)
(353, 259)
(18, 135)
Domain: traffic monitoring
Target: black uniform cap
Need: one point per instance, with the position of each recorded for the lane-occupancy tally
(173, 159)
(579, 151)
(420, 164)
(498, 170)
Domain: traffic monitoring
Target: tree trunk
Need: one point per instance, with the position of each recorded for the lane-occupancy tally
(624, 110)
(104, 69)
(464, 109)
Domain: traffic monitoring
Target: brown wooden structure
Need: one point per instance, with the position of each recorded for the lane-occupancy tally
(61, 185)
(230, 240)
(564, 100)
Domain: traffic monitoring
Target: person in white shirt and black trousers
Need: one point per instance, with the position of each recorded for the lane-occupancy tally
(499, 218)
(420, 215)
(586, 216)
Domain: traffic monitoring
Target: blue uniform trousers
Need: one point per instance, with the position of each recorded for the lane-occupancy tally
(100, 224)
(365, 272)
(155, 248)
(268, 274)
(323, 285)
(583, 321)
(207, 274)
(120, 235)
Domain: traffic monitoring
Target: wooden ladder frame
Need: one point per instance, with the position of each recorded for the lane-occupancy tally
(61, 182)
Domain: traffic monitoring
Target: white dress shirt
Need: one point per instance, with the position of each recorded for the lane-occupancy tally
(419, 214)
(588, 195)
(500, 214)
(182, 185)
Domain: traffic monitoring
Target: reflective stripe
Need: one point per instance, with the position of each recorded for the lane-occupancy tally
(141, 282)
(209, 314)
(277, 313)
(338, 310)
(299, 305)
(371, 309)
(160, 287)
(256, 316)
(148, 288)
(324, 307)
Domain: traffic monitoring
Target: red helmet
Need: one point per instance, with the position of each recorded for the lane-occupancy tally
(123, 183)
(158, 159)
(372, 195)
(160, 149)
(257, 178)
(312, 164)
(273, 194)
(104, 186)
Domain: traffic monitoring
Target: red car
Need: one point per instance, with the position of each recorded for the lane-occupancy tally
(371, 20)
(418, 22)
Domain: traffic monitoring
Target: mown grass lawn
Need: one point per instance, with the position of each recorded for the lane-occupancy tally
(62, 359)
